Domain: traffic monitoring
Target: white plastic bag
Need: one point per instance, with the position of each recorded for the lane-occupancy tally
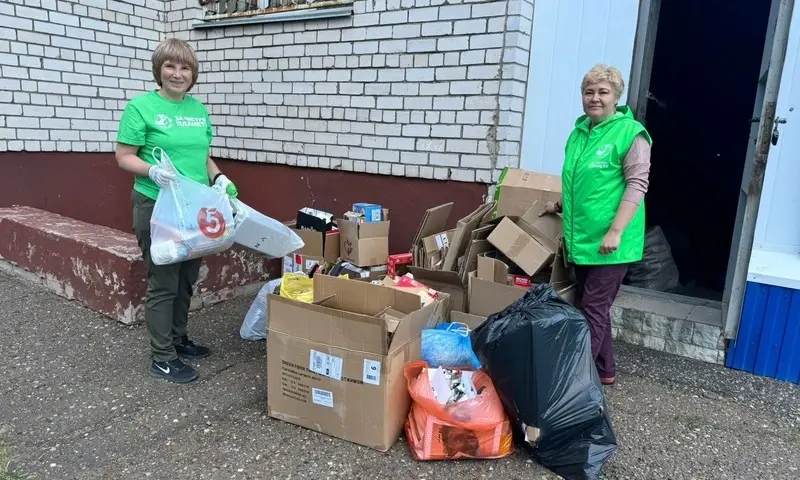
(254, 326)
(190, 220)
(262, 233)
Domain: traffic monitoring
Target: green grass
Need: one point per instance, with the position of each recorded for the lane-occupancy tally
(5, 462)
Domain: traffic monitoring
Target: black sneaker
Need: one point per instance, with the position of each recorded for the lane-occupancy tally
(173, 371)
(187, 348)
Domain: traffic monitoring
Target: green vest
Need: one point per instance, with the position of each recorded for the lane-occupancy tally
(593, 183)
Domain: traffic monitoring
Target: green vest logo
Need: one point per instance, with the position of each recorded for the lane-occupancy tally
(604, 150)
(163, 121)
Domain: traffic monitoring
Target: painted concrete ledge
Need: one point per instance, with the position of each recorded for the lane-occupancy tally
(103, 269)
(683, 326)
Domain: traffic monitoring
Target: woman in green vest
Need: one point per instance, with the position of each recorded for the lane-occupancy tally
(604, 179)
(177, 123)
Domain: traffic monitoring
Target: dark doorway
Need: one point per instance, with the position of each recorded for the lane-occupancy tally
(705, 73)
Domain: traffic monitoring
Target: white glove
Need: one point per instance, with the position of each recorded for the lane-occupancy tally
(160, 175)
(224, 185)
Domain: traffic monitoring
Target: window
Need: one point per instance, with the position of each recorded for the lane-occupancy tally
(239, 12)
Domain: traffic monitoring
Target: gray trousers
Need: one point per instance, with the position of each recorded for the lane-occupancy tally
(169, 288)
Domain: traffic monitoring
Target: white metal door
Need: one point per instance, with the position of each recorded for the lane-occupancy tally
(569, 37)
(731, 299)
(776, 237)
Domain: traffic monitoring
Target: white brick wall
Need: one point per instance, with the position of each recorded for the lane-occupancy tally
(423, 88)
(67, 68)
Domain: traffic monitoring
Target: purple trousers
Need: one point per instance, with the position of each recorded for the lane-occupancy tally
(597, 288)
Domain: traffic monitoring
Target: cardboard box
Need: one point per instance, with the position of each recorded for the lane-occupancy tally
(297, 263)
(496, 270)
(396, 264)
(313, 219)
(468, 319)
(461, 237)
(352, 271)
(531, 241)
(336, 365)
(434, 221)
(364, 244)
(491, 291)
(434, 249)
(324, 245)
(443, 281)
(370, 211)
(517, 189)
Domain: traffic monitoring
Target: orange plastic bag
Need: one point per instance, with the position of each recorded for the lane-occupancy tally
(474, 429)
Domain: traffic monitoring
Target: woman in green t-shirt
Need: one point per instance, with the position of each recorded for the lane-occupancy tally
(178, 124)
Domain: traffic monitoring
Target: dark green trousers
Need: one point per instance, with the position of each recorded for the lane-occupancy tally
(169, 288)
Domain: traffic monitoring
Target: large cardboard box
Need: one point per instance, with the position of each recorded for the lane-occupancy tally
(364, 244)
(336, 365)
(489, 291)
(517, 189)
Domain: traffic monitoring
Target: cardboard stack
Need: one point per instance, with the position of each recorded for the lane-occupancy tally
(336, 365)
(356, 245)
(498, 251)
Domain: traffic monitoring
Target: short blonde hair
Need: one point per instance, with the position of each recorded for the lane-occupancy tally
(174, 50)
(605, 73)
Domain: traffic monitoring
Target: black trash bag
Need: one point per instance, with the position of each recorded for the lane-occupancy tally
(538, 353)
(657, 269)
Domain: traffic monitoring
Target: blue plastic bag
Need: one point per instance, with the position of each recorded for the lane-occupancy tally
(449, 346)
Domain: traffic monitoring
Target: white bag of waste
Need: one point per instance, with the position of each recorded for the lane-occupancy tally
(254, 326)
(264, 234)
(189, 220)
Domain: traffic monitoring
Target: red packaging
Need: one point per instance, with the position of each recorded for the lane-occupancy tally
(395, 262)
(520, 281)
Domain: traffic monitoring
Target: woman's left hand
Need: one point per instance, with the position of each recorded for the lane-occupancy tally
(610, 242)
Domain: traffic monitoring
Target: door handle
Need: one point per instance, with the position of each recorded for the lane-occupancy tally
(775, 133)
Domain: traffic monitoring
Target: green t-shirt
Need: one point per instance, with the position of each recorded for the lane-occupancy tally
(182, 129)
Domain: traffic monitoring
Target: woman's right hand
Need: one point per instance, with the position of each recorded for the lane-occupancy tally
(160, 176)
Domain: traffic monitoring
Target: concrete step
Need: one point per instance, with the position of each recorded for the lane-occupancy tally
(684, 326)
(103, 268)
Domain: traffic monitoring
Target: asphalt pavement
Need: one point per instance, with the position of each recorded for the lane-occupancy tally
(76, 403)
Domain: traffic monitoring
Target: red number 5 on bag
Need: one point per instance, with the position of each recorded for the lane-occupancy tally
(211, 222)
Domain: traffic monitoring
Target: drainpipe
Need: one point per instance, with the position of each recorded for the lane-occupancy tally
(765, 128)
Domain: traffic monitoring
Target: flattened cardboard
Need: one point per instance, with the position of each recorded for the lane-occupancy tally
(486, 298)
(435, 248)
(518, 189)
(464, 229)
(446, 282)
(471, 257)
(492, 269)
(340, 372)
(434, 220)
(364, 244)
